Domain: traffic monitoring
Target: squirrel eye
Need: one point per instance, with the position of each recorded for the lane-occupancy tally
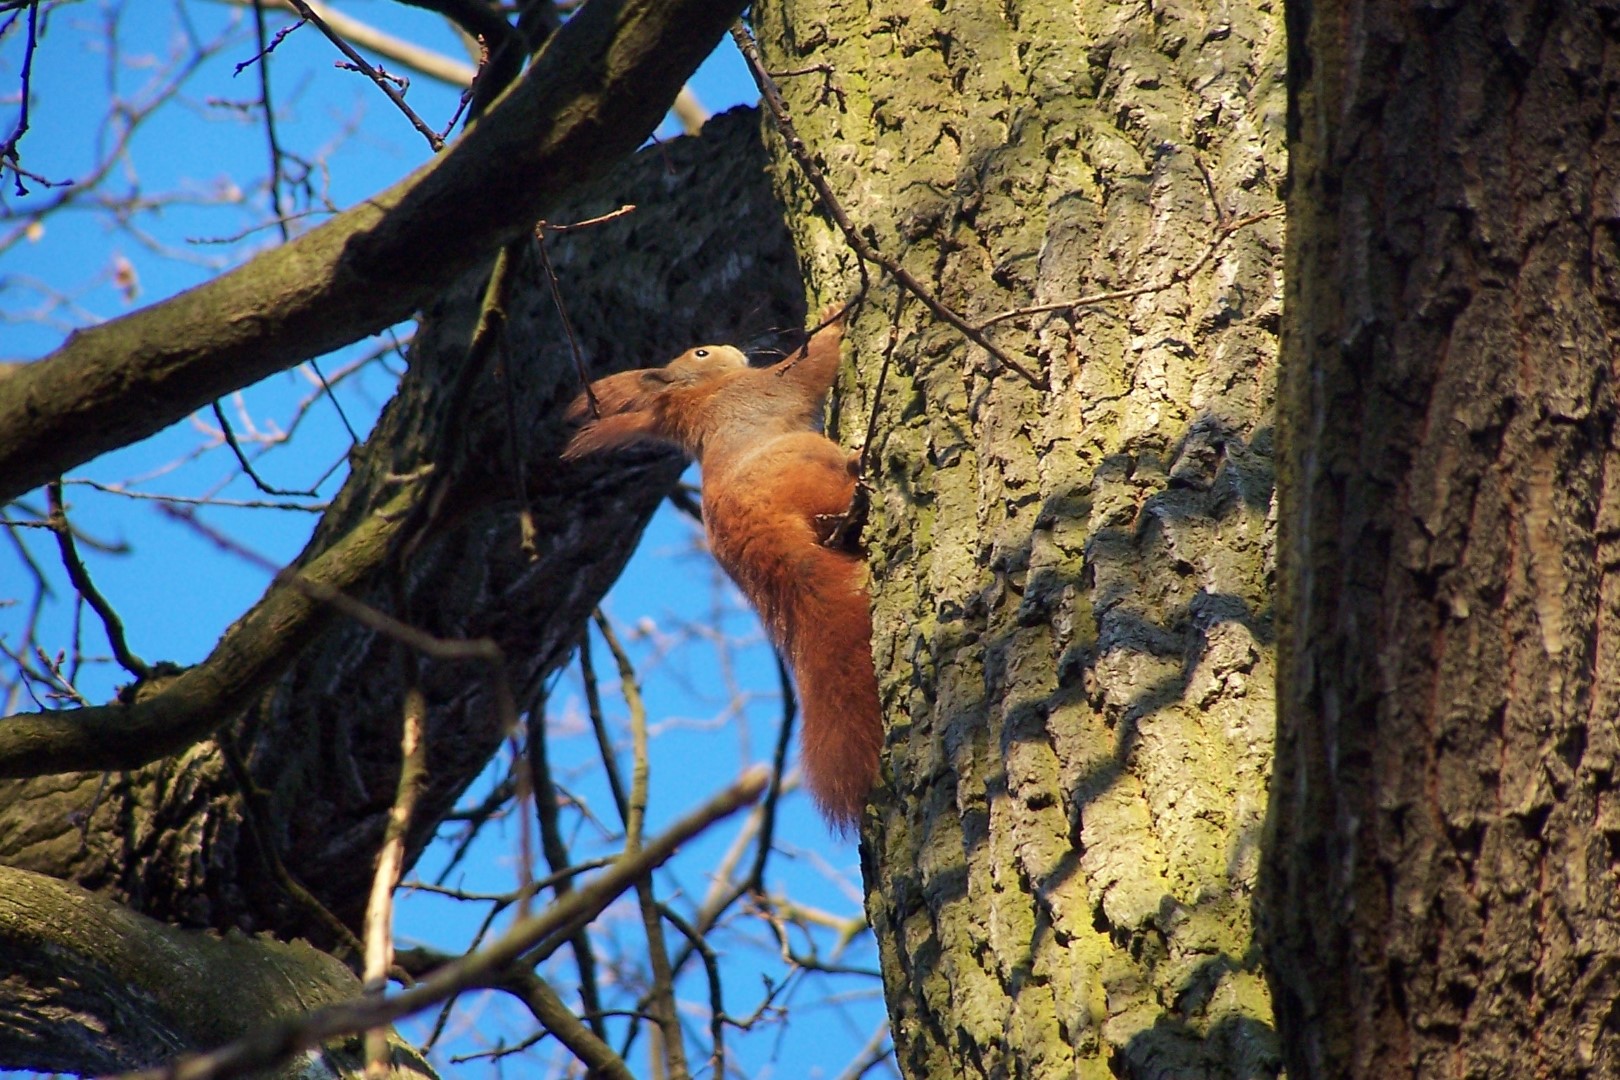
(700, 353)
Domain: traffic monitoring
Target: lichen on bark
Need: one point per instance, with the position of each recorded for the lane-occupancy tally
(1070, 586)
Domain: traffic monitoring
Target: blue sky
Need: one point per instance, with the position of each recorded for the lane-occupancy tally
(198, 158)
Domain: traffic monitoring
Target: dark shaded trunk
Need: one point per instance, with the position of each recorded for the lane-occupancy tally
(1441, 877)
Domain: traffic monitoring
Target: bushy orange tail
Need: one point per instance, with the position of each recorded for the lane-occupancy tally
(830, 647)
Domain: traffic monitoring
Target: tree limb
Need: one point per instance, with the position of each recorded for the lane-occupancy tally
(92, 987)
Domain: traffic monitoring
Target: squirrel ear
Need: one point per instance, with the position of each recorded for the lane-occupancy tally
(830, 336)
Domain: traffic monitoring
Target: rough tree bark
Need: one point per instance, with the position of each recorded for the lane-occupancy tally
(1442, 867)
(92, 987)
(1071, 584)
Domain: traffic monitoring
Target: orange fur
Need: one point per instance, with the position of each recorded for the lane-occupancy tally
(770, 485)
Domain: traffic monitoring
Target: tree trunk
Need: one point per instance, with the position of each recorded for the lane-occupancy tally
(1071, 582)
(1442, 864)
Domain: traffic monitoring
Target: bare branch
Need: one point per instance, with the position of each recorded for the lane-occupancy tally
(558, 1020)
(661, 1003)
(9, 157)
(558, 858)
(406, 54)
(391, 86)
(532, 938)
(379, 924)
(115, 994)
(166, 715)
(600, 88)
(76, 572)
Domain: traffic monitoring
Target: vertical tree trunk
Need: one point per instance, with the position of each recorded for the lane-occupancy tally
(1071, 582)
(1442, 871)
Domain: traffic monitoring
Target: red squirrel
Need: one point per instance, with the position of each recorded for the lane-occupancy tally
(774, 493)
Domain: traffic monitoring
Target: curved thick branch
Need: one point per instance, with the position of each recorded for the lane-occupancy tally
(596, 92)
(92, 986)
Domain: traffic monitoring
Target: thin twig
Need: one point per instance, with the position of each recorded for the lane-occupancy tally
(478, 650)
(829, 88)
(546, 226)
(556, 1018)
(762, 825)
(192, 500)
(9, 155)
(567, 323)
(282, 224)
(661, 1001)
(53, 667)
(404, 53)
(1223, 232)
(525, 794)
(379, 920)
(84, 539)
(266, 49)
(501, 1050)
(466, 98)
(255, 814)
(476, 818)
(847, 535)
(767, 822)
(557, 880)
(267, 106)
(375, 73)
(604, 742)
(489, 338)
(26, 677)
(711, 969)
(80, 577)
(486, 336)
(247, 466)
(852, 236)
(131, 117)
(528, 529)
(557, 858)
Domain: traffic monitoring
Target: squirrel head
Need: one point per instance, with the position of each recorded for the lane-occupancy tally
(634, 405)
